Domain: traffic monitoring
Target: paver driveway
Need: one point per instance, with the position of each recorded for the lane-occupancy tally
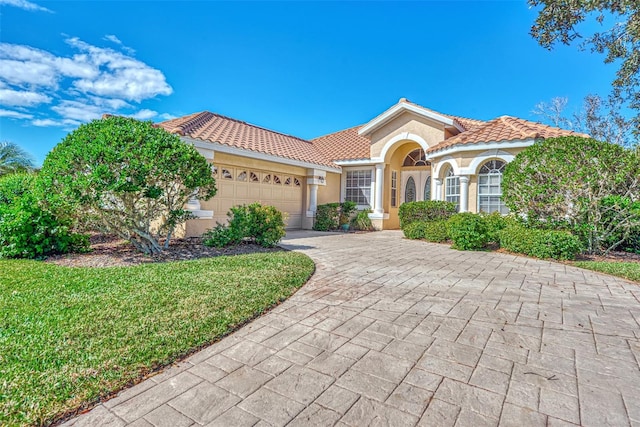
(397, 332)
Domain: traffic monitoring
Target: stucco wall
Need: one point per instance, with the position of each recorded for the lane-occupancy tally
(432, 132)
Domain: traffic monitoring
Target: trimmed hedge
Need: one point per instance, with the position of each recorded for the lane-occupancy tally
(331, 216)
(555, 244)
(428, 210)
(468, 231)
(431, 231)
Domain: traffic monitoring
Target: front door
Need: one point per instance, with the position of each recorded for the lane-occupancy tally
(415, 185)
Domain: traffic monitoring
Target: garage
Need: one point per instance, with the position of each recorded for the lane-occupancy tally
(239, 185)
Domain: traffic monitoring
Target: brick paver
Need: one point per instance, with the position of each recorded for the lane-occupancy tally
(397, 332)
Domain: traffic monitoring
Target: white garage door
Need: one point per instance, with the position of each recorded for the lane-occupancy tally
(237, 186)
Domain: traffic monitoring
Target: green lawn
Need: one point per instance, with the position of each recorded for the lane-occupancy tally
(628, 270)
(71, 335)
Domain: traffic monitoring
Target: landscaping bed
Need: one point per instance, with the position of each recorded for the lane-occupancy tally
(71, 336)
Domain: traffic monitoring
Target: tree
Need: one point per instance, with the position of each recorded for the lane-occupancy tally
(620, 42)
(130, 177)
(598, 118)
(14, 159)
(589, 186)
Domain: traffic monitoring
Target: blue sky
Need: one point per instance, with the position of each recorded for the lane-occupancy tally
(303, 68)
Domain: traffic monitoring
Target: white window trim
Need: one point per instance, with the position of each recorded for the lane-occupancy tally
(343, 185)
(478, 183)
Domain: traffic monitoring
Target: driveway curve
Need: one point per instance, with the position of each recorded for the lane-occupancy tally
(397, 332)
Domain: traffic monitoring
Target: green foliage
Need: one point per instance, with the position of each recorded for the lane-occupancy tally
(14, 159)
(428, 210)
(431, 231)
(27, 229)
(495, 222)
(331, 216)
(468, 231)
(327, 217)
(73, 336)
(130, 176)
(582, 184)
(540, 243)
(557, 21)
(347, 208)
(362, 221)
(263, 225)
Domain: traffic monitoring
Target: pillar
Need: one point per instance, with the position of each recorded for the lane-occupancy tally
(438, 189)
(464, 193)
(379, 189)
(313, 198)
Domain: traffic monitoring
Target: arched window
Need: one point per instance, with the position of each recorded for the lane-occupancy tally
(416, 158)
(452, 188)
(410, 190)
(490, 187)
(427, 189)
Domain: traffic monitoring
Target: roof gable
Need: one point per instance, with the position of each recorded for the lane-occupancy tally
(404, 106)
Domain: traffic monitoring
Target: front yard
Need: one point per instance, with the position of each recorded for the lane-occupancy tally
(69, 336)
(628, 270)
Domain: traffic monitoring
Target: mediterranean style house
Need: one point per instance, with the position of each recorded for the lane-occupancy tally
(407, 153)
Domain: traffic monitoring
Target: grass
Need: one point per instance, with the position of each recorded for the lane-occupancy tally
(69, 336)
(627, 270)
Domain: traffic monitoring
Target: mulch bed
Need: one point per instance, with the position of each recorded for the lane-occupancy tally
(611, 257)
(111, 251)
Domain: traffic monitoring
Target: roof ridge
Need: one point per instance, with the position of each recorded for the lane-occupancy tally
(261, 127)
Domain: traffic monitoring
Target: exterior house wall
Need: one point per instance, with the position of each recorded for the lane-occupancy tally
(431, 131)
(329, 193)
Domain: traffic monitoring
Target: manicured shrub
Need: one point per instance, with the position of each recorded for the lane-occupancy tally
(327, 217)
(428, 210)
(431, 231)
(347, 208)
(131, 177)
(585, 185)
(495, 222)
(468, 231)
(263, 225)
(362, 221)
(27, 228)
(540, 243)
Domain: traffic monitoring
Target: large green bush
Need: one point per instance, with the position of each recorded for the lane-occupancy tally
(428, 210)
(431, 231)
(263, 225)
(588, 186)
(27, 228)
(540, 243)
(361, 221)
(468, 231)
(132, 177)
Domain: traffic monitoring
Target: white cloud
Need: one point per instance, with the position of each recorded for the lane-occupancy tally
(20, 98)
(26, 5)
(75, 110)
(167, 116)
(144, 114)
(14, 114)
(82, 86)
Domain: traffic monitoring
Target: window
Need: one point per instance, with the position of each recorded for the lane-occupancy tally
(267, 179)
(287, 181)
(452, 188)
(394, 188)
(490, 187)
(276, 180)
(226, 174)
(242, 176)
(427, 189)
(358, 187)
(410, 190)
(296, 182)
(416, 158)
(214, 171)
(253, 177)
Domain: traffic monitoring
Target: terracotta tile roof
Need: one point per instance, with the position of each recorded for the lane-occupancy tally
(344, 145)
(503, 128)
(212, 127)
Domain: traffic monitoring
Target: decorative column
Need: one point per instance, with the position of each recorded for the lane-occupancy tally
(464, 193)
(438, 189)
(313, 199)
(379, 189)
